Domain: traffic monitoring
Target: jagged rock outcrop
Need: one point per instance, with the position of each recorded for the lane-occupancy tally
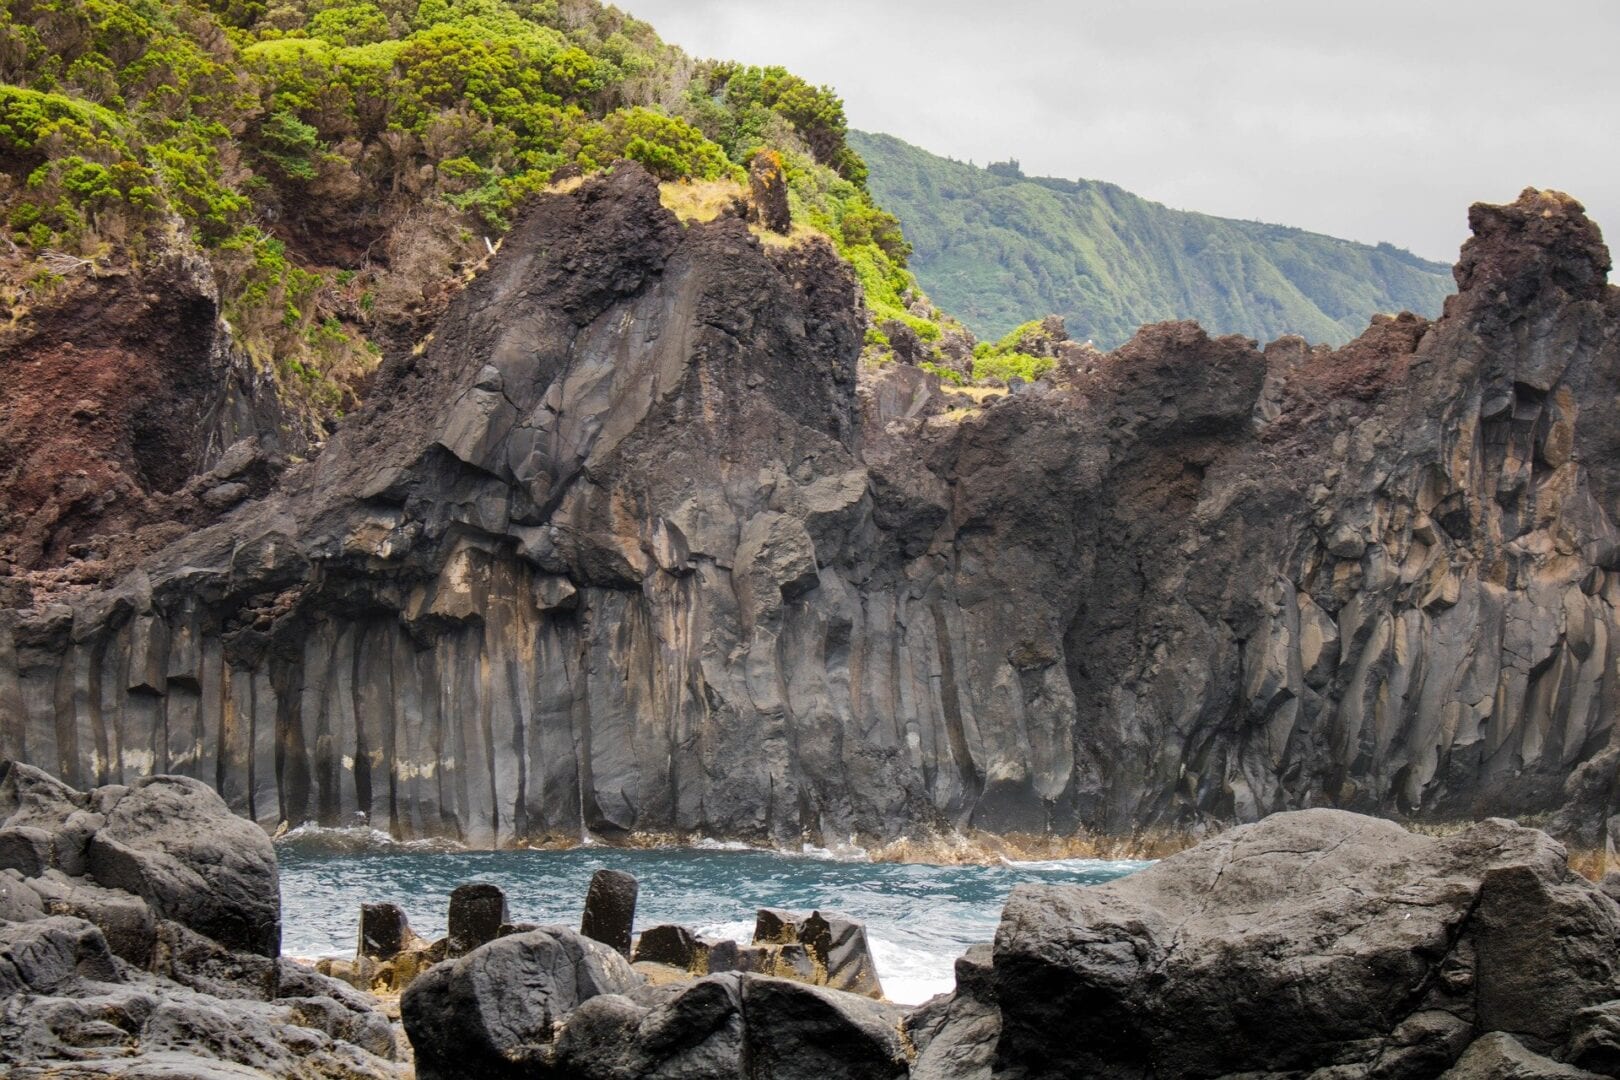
(1315, 943)
(140, 932)
(631, 545)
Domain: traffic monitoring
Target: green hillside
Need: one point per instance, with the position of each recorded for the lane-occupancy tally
(992, 246)
(336, 165)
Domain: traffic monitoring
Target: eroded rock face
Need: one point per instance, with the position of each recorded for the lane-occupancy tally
(1314, 940)
(630, 545)
(123, 396)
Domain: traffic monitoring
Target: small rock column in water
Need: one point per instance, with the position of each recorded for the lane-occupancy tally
(384, 931)
(477, 913)
(610, 909)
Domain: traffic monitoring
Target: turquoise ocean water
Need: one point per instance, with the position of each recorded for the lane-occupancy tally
(919, 918)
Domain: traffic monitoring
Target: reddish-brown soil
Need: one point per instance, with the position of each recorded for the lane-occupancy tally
(103, 395)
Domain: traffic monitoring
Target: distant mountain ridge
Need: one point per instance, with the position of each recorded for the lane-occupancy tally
(993, 246)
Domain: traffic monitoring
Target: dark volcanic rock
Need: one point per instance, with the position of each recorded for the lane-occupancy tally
(477, 913)
(768, 193)
(171, 841)
(635, 538)
(1499, 1056)
(163, 964)
(1309, 941)
(384, 931)
(672, 945)
(610, 909)
(697, 1032)
(798, 1032)
(843, 959)
(166, 843)
(491, 1013)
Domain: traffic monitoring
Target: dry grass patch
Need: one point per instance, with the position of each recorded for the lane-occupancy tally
(699, 200)
(799, 235)
(705, 200)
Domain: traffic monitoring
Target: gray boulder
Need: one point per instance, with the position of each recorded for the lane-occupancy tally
(68, 1008)
(51, 955)
(127, 921)
(673, 946)
(163, 963)
(1594, 1041)
(1309, 940)
(172, 841)
(477, 913)
(384, 931)
(491, 1013)
(1499, 1056)
(696, 1032)
(955, 1035)
(842, 958)
(794, 1031)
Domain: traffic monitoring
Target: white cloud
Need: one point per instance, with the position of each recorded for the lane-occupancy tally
(1379, 120)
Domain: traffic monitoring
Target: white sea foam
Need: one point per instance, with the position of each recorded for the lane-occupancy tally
(1116, 867)
(709, 843)
(848, 852)
(357, 839)
(741, 931)
(910, 976)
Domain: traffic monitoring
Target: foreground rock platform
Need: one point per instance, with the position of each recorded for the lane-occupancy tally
(1313, 945)
(1316, 943)
(140, 932)
(635, 533)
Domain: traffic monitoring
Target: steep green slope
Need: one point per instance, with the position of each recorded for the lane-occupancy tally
(339, 166)
(992, 246)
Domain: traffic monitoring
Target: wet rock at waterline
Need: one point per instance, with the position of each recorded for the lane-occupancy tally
(139, 931)
(552, 1003)
(672, 946)
(477, 913)
(837, 945)
(610, 909)
(635, 535)
(384, 931)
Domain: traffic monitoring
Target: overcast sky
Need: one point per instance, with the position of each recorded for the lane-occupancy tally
(1373, 120)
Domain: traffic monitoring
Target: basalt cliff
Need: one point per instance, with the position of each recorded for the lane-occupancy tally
(632, 544)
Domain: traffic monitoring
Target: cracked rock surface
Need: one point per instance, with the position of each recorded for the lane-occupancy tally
(1316, 943)
(140, 936)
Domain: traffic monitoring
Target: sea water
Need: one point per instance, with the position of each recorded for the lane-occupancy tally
(919, 918)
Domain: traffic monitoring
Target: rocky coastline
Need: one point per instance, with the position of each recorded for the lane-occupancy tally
(140, 928)
(633, 545)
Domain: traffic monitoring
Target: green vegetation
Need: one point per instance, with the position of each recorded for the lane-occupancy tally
(1010, 357)
(993, 246)
(340, 163)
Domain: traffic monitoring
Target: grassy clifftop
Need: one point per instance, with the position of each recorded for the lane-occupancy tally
(993, 246)
(341, 165)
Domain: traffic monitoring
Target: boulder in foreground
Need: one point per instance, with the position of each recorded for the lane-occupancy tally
(139, 936)
(1309, 941)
